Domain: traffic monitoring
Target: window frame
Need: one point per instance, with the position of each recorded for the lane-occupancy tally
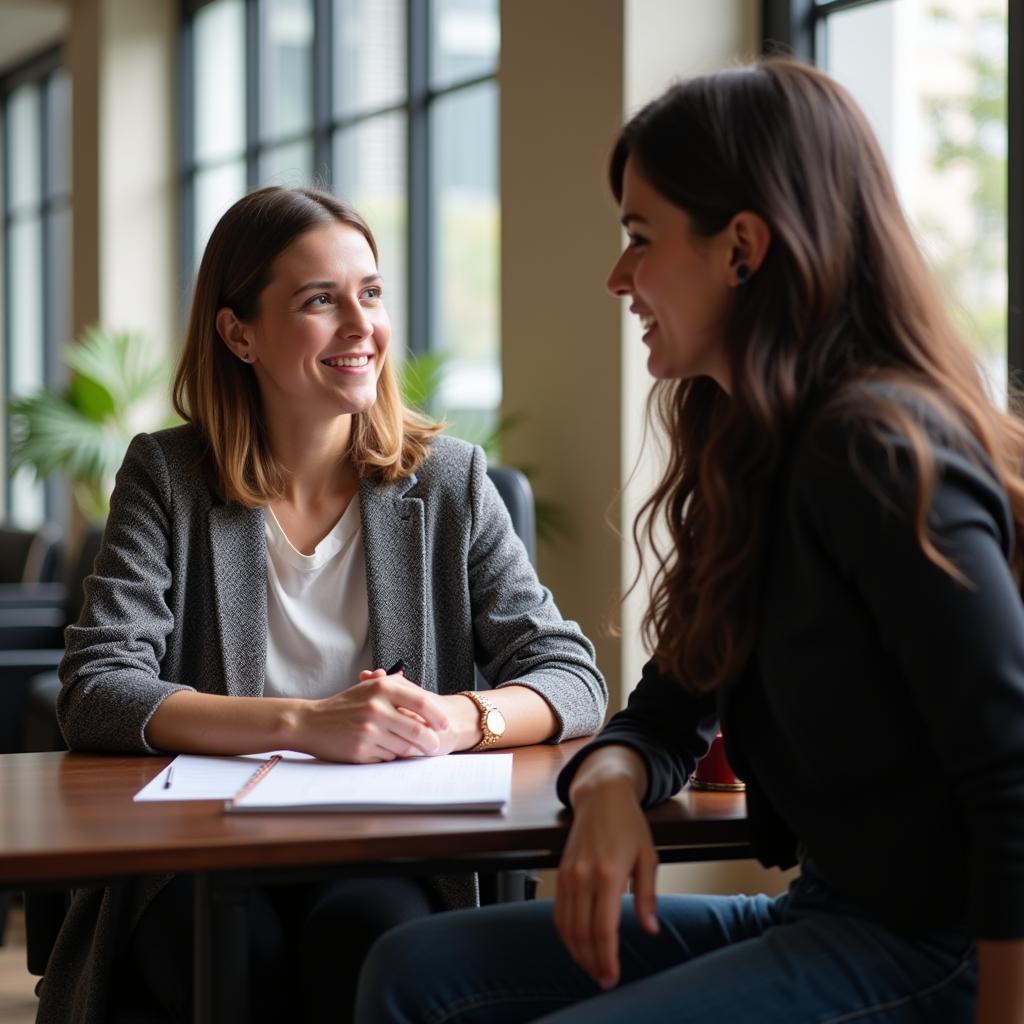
(792, 26)
(417, 106)
(37, 70)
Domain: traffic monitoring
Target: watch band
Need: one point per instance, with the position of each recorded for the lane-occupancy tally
(489, 736)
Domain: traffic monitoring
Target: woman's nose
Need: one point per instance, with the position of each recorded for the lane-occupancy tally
(355, 323)
(620, 280)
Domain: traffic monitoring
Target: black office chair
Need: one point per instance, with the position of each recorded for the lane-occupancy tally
(28, 721)
(28, 557)
(33, 668)
(45, 909)
(30, 617)
(516, 493)
(32, 593)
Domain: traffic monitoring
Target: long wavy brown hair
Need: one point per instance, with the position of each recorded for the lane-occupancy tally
(218, 393)
(843, 298)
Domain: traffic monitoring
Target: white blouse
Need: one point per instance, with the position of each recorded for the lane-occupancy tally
(317, 617)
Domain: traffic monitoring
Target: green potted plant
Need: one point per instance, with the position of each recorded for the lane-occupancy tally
(117, 388)
(420, 380)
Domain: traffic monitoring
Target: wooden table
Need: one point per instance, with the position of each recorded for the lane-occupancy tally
(69, 818)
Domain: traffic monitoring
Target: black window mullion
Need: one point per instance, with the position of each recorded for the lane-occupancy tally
(5, 193)
(45, 221)
(323, 87)
(36, 71)
(1015, 190)
(420, 213)
(826, 7)
(53, 486)
(789, 25)
(253, 60)
(186, 151)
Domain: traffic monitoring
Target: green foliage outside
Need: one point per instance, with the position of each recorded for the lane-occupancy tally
(420, 378)
(118, 388)
(970, 130)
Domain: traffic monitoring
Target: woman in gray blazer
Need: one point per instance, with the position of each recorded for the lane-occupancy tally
(265, 568)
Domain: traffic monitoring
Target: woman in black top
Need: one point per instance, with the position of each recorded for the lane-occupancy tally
(845, 508)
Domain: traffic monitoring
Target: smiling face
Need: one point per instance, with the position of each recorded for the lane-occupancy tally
(679, 283)
(319, 340)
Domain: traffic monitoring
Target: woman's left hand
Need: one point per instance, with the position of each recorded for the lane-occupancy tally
(461, 714)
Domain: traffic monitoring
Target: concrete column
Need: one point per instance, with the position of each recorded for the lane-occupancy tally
(121, 56)
(561, 104)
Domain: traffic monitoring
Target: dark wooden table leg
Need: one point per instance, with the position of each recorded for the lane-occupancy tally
(221, 972)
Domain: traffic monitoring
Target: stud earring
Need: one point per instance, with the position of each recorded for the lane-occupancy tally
(742, 274)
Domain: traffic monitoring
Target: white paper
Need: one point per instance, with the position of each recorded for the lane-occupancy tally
(457, 782)
(198, 777)
(460, 782)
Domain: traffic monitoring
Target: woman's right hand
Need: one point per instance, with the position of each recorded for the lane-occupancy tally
(609, 843)
(366, 723)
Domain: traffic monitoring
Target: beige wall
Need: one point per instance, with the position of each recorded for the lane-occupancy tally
(561, 104)
(121, 58)
(120, 54)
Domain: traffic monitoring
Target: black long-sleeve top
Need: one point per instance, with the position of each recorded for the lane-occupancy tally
(880, 721)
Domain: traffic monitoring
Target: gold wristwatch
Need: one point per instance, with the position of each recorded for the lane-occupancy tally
(492, 721)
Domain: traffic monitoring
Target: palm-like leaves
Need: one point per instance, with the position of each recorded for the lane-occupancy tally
(116, 386)
(419, 378)
(420, 381)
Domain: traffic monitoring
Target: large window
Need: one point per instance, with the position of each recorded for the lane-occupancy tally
(35, 103)
(933, 78)
(391, 104)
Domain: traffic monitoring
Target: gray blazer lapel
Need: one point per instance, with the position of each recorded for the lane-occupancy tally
(396, 577)
(239, 553)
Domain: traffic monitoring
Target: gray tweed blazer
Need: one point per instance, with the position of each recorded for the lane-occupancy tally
(178, 601)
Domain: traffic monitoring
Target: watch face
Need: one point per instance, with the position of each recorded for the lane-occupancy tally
(495, 721)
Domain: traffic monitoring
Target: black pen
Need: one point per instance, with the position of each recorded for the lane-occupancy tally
(399, 668)
(170, 776)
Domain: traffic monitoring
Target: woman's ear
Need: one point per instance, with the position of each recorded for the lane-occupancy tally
(233, 333)
(749, 238)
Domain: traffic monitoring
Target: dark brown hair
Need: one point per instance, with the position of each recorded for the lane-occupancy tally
(843, 298)
(219, 394)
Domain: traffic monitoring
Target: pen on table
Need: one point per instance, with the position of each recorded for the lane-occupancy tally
(170, 777)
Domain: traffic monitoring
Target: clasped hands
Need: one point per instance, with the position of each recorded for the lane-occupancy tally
(383, 718)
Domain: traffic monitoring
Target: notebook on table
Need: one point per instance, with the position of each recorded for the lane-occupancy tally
(291, 781)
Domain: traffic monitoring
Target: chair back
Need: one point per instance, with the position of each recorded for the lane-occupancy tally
(517, 494)
(87, 552)
(31, 556)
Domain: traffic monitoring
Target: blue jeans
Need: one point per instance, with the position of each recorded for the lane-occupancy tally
(800, 957)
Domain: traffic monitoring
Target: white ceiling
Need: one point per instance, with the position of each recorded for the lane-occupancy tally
(29, 26)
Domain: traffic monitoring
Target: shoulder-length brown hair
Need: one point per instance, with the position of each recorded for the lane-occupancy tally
(218, 393)
(842, 298)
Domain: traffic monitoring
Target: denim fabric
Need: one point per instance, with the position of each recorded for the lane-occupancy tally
(800, 957)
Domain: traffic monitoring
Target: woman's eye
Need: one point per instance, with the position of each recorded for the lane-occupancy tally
(319, 300)
(636, 241)
(375, 292)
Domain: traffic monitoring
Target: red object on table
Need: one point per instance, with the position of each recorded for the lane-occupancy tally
(713, 770)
